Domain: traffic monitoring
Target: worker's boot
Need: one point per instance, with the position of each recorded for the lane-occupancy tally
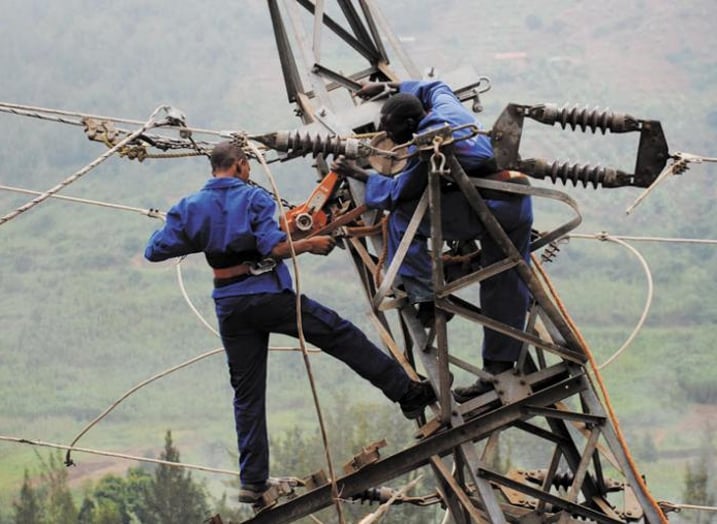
(426, 313)
(415, 400)
(252, 493)
(480, 386)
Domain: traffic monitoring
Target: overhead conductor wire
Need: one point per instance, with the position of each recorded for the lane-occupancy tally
(90, 451)
(37, 112)
(302, 341)
(150, 123)
(603, 390)
(153, 213)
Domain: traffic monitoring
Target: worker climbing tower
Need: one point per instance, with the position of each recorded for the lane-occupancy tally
(581, 468)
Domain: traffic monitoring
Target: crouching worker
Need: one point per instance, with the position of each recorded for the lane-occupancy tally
(418, 107)
(232, 222)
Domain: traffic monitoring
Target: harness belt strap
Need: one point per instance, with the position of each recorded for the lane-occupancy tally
(232, 271)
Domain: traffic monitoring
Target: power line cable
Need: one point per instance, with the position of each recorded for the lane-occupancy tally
(150, 123)
(91, 451)
(302, 341)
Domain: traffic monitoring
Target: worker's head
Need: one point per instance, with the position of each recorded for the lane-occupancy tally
(229, 160)
(400, 116)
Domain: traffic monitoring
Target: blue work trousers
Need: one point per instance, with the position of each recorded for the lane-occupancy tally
(503, 297)
(245, 323)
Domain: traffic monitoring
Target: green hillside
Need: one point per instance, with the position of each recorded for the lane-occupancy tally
(84, 318)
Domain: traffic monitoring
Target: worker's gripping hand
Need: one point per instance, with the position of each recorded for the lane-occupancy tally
(376, 89)
(322, 244)
(346, 168)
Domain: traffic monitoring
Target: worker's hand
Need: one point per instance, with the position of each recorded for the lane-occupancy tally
(321, 245)
(347, 168)
(374, 89)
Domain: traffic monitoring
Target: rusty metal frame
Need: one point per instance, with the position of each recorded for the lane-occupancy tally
(551, 368)
(420, 454)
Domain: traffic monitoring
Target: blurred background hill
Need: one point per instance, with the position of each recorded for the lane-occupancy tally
(83, 317)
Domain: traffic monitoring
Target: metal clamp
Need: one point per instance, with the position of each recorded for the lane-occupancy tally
(368, 455)
(261, 266)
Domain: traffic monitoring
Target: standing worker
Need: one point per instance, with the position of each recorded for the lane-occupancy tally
(233, 224)
(417, 107)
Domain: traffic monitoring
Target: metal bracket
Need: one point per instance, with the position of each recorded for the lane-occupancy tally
(652, 154)
(316, 480)
(368, 455)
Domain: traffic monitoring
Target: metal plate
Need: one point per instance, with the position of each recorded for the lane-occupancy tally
(383, 164)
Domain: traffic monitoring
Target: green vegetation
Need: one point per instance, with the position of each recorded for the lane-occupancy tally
(84, 318)
(167, 496)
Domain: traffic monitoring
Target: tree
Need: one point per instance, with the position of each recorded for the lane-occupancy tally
(107, 512)
(137, 483)
(110, 495)
(117, 500)
(28, 510)
(697, 492)
(699, 487)
(87, 509)
(60, 506)
(353, 426)
(172, 496)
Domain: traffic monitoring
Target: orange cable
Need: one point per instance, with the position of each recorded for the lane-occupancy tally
(603, 390)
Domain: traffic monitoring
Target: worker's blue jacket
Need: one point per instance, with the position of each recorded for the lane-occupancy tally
(231, 222)
(243, 228)
(442, 108)
(503, 297)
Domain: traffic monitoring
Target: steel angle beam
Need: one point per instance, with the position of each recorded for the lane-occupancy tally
(470, 491)
(437, 371)
(419, 454)
(501, 238)
(570, 506)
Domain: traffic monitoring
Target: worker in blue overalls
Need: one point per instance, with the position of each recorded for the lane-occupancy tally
(233, 224)
(416, 107)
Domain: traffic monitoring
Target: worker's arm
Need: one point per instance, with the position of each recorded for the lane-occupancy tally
(372, 89)
(272, 241)
(318, 245)
(171, 239)
(348, 168)
(445, 108)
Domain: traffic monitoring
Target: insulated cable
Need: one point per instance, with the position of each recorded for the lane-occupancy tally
(68, 458)
(302, 341)
(116, 455)
(648, 301)
(603, 390)
(620, 239)
(150, 123)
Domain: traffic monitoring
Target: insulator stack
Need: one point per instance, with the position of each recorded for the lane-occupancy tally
(563, 479)
(680, 166)
(380, 495)
(584, 118)
(575, 173)
(298, 144)
(550, 252)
